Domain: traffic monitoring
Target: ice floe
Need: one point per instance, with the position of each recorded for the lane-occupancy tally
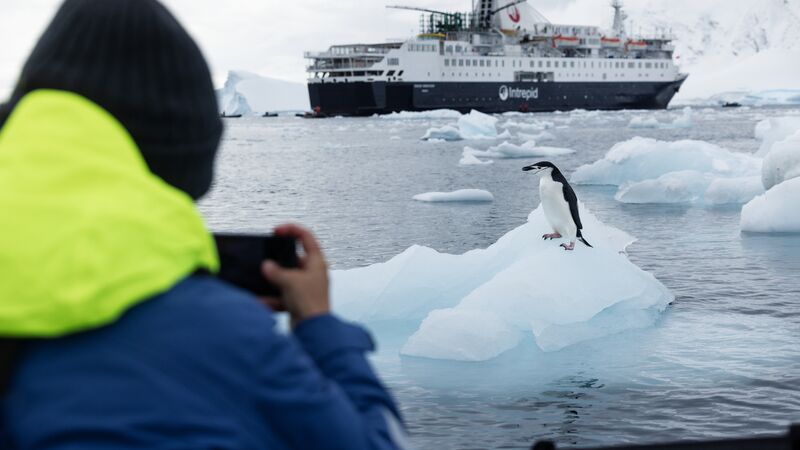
(476, 306)
(507, 150)
(651, 171)
(538, 137)
(684, 120)
(462, 195)
(777, 211)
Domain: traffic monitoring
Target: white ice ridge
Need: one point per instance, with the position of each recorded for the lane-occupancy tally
(476, 306)
(475, 125)
(651, 171)
(777, 211)
(462, 195)
(423, 115)
(507, 150)
(245, 93)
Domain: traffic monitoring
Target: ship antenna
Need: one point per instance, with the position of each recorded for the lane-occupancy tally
(619, 17)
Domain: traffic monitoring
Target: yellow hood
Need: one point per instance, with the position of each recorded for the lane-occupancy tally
(86, 230)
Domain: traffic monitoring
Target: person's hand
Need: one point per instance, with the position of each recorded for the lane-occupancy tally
(304, 290)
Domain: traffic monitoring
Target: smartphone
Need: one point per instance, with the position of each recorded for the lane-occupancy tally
(241, 257)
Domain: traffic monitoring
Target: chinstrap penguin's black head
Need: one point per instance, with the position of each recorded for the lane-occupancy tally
(540, 166)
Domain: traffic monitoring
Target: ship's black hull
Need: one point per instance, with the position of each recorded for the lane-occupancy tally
(367, 98)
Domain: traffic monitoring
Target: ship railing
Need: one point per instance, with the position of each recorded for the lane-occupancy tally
(323, 65)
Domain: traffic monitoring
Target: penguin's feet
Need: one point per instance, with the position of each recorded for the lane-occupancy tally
(550, 237)
(569, 247)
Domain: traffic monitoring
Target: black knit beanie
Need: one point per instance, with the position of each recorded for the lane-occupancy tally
(135, 60)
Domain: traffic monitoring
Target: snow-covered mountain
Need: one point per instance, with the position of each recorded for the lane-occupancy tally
(248, 93)
(727, 46)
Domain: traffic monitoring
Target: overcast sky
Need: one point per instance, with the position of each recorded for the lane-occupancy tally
(263, 36)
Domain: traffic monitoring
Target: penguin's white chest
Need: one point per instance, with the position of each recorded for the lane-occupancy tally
(556, 208)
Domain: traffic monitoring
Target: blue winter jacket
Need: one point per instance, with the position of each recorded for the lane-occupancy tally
(201, 367)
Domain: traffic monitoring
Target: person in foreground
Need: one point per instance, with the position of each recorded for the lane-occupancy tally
(113, 332)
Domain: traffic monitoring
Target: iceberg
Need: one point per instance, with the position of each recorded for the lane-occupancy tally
(476, 306)
(507, 150)
(463, 195)
(782, 163)
(246, 93)
(651, 171)
(642, 122)
(777, 211)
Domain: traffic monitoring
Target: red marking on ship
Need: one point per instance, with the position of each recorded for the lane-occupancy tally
(514, 14)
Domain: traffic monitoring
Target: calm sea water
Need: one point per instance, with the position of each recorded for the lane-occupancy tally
(723, 361)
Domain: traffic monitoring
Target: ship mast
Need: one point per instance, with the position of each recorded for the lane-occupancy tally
(619, 17)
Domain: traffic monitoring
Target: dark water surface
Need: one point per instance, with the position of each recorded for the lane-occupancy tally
(723, 361)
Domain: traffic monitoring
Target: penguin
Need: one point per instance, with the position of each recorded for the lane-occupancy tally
(560, 204)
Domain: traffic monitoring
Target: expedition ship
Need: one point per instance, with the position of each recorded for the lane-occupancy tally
(503, 56)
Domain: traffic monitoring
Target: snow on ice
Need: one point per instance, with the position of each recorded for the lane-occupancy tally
(776, 129)
(651, 171)
(476, 306)
(463, 195)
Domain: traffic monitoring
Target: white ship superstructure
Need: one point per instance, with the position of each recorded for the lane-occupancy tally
(504, 56)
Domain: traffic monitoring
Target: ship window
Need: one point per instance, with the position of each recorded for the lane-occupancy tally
(503, 63)
(541, 64)
(640, 65)
(631, 65)
(449, 49)
(475, 63)
(458, 48)
(572, 64)
(401, 73)
(390, 74)
(648, 65)
(532, 64)
(460, 63)
(481, 63)
(447, 63)
(469, 62)
(393, 61)
(548, 63)
(556, 63)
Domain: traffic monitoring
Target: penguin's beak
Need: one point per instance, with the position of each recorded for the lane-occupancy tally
(533, 167)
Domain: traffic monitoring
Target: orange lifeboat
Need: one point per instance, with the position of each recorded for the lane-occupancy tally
(610, 42)
(565, 41)
(635, 45)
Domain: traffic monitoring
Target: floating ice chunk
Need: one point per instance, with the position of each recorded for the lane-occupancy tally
(650, 171)
(644, 122)
(394, 138)
(640, 159)
(777, 211)
(782, 162)
(493, 298)
(463, 195)
(774, 130)
(507, 150)
(538, 137)
(422, 115)
(723, 191)
(536, 125)
(463, 335)
(685, 120)
(468, 158)
(475, 125)
(445, 133)
(675, 187)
